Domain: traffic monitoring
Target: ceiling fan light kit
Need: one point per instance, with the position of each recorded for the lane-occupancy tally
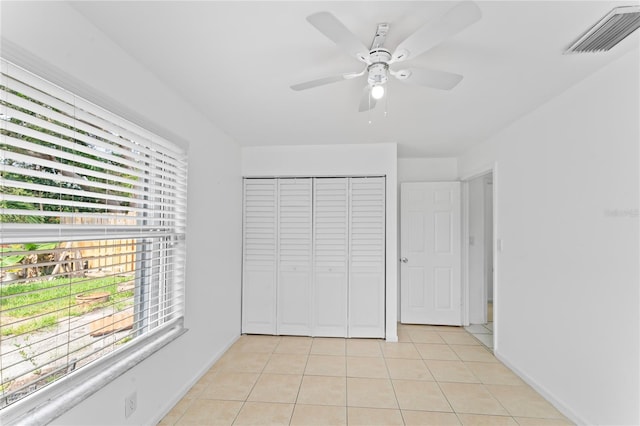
(378, 59)
(377, 92)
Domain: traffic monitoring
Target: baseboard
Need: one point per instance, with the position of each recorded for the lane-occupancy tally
(391, 339)
(552, 399)
(179, 395)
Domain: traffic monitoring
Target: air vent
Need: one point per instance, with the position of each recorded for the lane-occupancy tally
(609, 31)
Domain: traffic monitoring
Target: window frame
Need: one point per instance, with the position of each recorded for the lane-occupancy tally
(45, 404)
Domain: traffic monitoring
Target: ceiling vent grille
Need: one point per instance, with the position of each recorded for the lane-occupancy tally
(609, 31)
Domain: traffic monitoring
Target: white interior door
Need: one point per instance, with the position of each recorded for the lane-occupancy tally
(259, 256)
(331, 251)
(367, 257)
(431, 287)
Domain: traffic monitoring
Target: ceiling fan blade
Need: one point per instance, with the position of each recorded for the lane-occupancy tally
(435, 32)
(335, 30)
(366, 101)
(430, 78)
(326, 80)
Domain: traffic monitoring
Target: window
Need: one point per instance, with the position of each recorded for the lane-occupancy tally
(92, 222)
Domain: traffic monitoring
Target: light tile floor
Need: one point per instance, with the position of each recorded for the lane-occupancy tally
(432, 376)
(482, 332)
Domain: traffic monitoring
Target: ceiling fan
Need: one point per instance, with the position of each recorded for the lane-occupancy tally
(378, 59)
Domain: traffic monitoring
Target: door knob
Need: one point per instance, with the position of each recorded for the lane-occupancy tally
(404, 260)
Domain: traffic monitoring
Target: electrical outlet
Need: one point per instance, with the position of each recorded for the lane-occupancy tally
(130, 404)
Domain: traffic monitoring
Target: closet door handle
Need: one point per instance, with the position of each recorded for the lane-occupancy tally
(404, 260)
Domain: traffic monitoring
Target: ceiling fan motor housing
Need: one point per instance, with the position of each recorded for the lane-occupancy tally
(378, 70)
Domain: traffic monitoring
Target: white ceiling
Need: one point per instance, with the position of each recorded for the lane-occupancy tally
(235, 61)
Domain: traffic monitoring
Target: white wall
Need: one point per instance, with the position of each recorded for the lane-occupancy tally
(66, 48)
(427, 169)
(567, 292)
(340, 160)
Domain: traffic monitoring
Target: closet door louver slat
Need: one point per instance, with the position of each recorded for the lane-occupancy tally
(260, 250)
(331, 249)
(367, 257)
(295, 253)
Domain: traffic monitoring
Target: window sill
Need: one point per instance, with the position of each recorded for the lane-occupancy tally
(51, 402)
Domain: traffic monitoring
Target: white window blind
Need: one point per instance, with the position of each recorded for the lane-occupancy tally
(92, 223)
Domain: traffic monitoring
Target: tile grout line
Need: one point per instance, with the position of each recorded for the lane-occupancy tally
(459, 343)
(295, 403)
(395, 394)
(480, 382)
(254, 384)
(435, 379)
(346, 387)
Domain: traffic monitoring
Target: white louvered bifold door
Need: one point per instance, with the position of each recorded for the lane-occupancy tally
(294, 257)
(260, 248)
(367, 257)
(331, 249)
(314, 257)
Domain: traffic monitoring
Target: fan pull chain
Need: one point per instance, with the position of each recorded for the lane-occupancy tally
(386, 104)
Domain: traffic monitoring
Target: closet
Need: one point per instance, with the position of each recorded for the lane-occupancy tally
(314, 256)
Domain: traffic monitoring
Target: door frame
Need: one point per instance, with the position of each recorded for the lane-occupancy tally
(480, 171)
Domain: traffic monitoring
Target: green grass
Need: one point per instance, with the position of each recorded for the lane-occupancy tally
(50, 300)
(39, 323)
(125, 340)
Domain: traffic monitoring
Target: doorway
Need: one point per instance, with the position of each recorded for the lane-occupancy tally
(480, 259)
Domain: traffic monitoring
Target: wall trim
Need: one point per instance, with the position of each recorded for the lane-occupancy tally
(180, 394)
(479, 171)
(551, 398)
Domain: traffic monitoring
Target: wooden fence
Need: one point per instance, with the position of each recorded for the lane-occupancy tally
(113, 256)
